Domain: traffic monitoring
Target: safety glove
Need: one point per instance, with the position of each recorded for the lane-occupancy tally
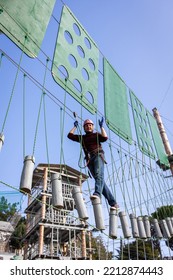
(76, 123)
(101, 122)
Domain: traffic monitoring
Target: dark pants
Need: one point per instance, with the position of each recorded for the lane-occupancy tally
(96, 167)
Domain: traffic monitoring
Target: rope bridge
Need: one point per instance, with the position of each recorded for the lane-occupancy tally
(36, 116)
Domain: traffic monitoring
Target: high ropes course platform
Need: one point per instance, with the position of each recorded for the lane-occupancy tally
(56, 75)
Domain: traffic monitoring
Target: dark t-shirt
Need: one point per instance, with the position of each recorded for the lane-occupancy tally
(90, 142)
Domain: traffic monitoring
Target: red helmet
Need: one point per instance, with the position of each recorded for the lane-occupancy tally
(88, 122)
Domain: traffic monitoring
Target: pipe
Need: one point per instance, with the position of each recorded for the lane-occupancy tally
(113, 224)
(162, 132)
(98, 214)
(124, 224)
(157, 229)
(43, 213)
(134, 225)
(142, 233)
(164, 137)
(57, 197)
(27, 173)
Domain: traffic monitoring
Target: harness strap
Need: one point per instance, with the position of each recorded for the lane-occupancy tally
(92, 154)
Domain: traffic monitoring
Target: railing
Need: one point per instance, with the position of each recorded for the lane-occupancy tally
(33, 220)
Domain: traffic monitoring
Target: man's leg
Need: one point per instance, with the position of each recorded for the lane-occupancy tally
(96, 167)
(108, 195)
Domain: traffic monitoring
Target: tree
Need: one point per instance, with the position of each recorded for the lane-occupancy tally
(99, 250)
(162, 213)
(17, 236)
(138, 250)
(7, 210)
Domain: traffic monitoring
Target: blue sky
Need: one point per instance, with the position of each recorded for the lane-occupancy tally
(134, 36)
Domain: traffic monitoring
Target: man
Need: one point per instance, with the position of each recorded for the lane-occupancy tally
(94, 154)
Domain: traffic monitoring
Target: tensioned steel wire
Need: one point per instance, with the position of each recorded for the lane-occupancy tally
(124, 187)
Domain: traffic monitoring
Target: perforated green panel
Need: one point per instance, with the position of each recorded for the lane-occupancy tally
(163, 159)
(21, 18)
(116, 104)
(142, 126)
(75, 63)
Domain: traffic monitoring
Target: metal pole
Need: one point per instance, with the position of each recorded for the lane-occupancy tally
(83, 244)
(43, 210)
(90, 245)
(164, 137)
(162, 132)
(83, 232)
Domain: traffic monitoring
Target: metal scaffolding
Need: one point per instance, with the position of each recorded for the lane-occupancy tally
(55, 232)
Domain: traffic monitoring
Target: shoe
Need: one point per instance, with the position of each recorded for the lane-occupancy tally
(94, 196)
(115, 207)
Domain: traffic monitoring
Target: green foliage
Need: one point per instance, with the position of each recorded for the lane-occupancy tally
(138, 250)
(99, 251)
(163, 212)
(7, 210)
(17, 236)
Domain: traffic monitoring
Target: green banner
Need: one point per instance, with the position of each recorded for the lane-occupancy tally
(116, 103)
(142, 127)
(25, 22)
(75, 62)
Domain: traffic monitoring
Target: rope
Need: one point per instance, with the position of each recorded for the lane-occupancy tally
(134, 190)
(110, 146)
(62, 117)
(124, 182)
(24, 95)
(45, 127)
(14, 84)
(39, 111)
(130, 177)
(160, 194)
(51, 206)
(36, 130)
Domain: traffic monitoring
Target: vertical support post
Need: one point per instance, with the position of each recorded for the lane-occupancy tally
(83, 232)
(90, 245)
(162, 132)
(51, 244)
(163, 135)
(83, 244)
(25, 257)
(43, 211)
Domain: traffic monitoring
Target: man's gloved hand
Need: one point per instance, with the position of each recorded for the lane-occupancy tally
(76, 123)
(101, 122)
